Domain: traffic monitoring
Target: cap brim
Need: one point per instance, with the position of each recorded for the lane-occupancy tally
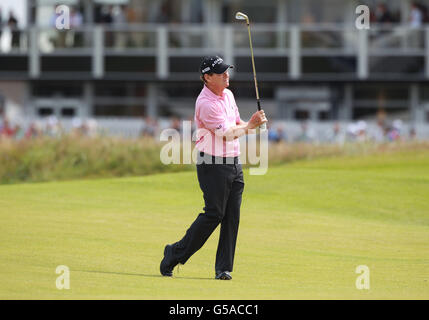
(222, 68)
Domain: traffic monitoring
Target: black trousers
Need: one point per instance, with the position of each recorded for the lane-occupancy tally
(222, 186)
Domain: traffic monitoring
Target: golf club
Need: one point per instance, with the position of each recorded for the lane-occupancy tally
(242, 16)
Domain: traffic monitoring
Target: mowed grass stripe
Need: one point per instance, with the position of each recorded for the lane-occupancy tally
(305, 227)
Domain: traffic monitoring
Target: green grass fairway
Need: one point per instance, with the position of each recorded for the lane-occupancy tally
(305, 227)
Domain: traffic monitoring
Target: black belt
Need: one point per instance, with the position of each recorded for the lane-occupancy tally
(208, 158)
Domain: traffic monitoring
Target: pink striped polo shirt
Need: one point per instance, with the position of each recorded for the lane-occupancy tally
(212, 113)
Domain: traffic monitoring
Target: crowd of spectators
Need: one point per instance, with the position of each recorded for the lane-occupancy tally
(72, 38)
(52, 127)
(116, 16)
(383, 14)
(359, 131)
(113, 17)
(166, 11)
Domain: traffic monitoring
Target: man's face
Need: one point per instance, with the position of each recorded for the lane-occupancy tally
(218, 80)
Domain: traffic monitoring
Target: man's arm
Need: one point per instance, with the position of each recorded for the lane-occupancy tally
(243, 127)
(236, 131)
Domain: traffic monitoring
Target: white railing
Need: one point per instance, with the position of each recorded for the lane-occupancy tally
(231, 40)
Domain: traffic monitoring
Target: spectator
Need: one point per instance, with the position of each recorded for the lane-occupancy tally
(135, 39)
(77, 125)
(150, 127)
(379, 132)
(416, 16)
(413, 134)
(18, 132)
(119, 20)
(273, 135)
(361, 128)
(13, 25)
(416, 22)
(176, 124)
(32, 131)
(425, 13)
(336, 136)
(307, 135)
(130, 14)
(106, 17)
(119, 15)
(382, 14)
(53, 127)
(381, 116)
(76, 18)
(164, 16)
(351, 132)
(276, 134)
(394, 133)
(76, 22)
(308, 19)
(282, 134)
(6, 130)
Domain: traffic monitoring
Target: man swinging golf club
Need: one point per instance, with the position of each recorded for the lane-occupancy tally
(219, 172)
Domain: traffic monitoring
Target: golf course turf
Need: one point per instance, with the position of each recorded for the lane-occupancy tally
(305, 227)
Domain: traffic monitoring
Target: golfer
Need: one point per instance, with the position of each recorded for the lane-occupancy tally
(218, 169)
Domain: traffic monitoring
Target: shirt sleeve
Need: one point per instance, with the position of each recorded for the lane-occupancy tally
(212, 118)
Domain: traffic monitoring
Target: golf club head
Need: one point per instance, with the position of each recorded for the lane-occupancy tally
(242, 16)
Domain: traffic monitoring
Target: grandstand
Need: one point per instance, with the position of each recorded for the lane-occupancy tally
(122, 60)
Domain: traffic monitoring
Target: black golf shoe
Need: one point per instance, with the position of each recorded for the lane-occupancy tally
(225, 275)
(168, 263)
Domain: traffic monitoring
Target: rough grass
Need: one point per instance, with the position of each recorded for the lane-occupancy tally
(75, 157)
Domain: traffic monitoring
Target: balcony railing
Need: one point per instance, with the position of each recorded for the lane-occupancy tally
(298, 50)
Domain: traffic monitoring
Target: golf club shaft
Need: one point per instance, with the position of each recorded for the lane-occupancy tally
(263, 126)
(253, 66)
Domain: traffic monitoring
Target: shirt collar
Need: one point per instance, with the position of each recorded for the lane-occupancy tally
(211, 95)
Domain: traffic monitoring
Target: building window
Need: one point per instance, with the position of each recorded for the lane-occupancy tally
(302, 114)
(101, 110)
(64, 89)
(68, 112)
(323, 115)
(45, 111)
